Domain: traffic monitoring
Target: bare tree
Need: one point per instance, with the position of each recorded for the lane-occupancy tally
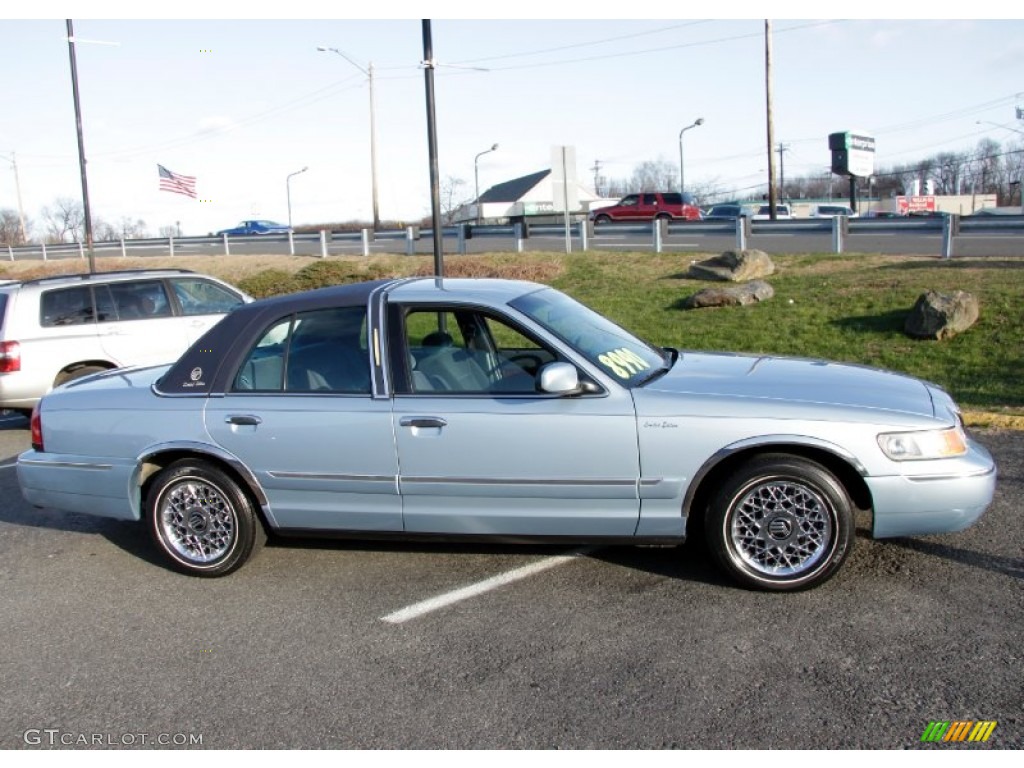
(655, 176)
(452, 198)
(63, 219)
(10, 227)
(132, 230)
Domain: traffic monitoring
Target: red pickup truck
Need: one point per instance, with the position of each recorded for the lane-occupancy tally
(647, 206)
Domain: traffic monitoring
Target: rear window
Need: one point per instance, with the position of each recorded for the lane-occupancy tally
(672, 198)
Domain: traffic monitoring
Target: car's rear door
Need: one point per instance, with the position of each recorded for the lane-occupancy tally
(300, 416)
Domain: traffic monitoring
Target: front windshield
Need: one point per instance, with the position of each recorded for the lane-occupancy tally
(615, 350)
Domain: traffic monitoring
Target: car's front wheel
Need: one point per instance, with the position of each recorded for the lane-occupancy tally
(201, 519)
(781, 523)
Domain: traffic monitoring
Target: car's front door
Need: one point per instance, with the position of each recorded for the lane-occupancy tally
(481, 451)
(300, 416)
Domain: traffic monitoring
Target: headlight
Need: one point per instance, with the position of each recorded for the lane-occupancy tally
(930, 444)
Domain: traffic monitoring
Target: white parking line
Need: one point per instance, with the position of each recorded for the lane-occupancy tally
(464, 593)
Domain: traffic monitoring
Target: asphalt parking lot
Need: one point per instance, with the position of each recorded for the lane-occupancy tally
(330, 644)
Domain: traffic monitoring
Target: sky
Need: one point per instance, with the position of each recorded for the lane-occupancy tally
(242, 103)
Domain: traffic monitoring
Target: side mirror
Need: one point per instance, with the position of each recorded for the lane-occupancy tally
(559, 379)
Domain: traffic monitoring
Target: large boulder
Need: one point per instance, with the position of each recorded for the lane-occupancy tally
(730, 296)
(941, 315)
(733, 267)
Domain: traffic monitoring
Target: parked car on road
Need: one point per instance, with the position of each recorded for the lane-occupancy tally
(255, 227)
(831, 211)
(728, 212)
(55, 329)
(498, 409)
(648, 206)
(782, 212)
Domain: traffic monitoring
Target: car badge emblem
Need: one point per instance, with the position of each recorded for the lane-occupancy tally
(197, 374)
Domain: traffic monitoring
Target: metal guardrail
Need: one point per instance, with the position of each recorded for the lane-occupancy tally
(584, 232)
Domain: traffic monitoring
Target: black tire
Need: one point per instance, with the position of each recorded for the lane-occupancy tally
(663, 217)
(781, 523)
(602, 219)
(201, 520)
(76, 373)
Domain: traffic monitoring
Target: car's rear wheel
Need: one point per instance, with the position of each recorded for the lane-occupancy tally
(781, 523)
(602, 219)
(77, 373)
(201, 519)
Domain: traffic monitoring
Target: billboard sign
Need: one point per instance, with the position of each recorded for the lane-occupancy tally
(853, 153)
(906, 204)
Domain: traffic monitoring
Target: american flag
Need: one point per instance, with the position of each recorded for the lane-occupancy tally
(175, 182)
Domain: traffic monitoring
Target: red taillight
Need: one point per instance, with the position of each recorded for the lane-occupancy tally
(10, 356)
(36, 426)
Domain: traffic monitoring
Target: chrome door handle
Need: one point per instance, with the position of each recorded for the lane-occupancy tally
(423, 421)
(243, 420)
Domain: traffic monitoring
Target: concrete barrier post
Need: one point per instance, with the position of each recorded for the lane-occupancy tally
(656, 228)
(411, 236)
(81, 250)
(742, 232)
(323, 243)
(585, 233)
(950, 229)
(367, 237)
(227, 248)
(44, 250)
(10, 251)
(170, 243)
(838, 233)
(463, 236)
(291, 243)
(124, 250)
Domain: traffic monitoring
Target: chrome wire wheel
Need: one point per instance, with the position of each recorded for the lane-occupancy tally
(780, 522)
(202, 519)
(781, 528)
(197, 520)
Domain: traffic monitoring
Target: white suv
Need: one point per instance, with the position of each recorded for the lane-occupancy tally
(55, 329)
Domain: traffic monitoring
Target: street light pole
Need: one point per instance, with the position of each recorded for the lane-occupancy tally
(288, 187)
(682, 178)
(368, 71)
(476, 179)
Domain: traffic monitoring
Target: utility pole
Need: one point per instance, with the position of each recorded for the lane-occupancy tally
(782, 168)
(81, 147)
(435, 186)
(17, 186)
(597, 175)
(769, 116)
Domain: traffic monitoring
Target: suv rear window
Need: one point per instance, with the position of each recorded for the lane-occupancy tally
(672, 198)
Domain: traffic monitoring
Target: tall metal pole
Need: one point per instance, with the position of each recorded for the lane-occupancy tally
(476, 180)
(373, 151)
(769, 116)
(682, 178)
(435, 184)
(368, 71)
(288, 187)
(81, 147)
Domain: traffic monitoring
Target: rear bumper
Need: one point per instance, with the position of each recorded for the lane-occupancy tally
(93, 486)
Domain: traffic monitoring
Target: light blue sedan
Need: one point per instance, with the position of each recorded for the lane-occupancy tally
(488, 408)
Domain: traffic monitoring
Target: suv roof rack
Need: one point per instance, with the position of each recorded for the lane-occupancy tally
(112, 273)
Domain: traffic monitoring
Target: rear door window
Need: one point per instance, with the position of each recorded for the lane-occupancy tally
(67, 306)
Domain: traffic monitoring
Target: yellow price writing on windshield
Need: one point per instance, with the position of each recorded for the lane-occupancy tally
(623, 363)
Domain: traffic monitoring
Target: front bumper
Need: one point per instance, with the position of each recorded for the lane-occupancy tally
(944, 501)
